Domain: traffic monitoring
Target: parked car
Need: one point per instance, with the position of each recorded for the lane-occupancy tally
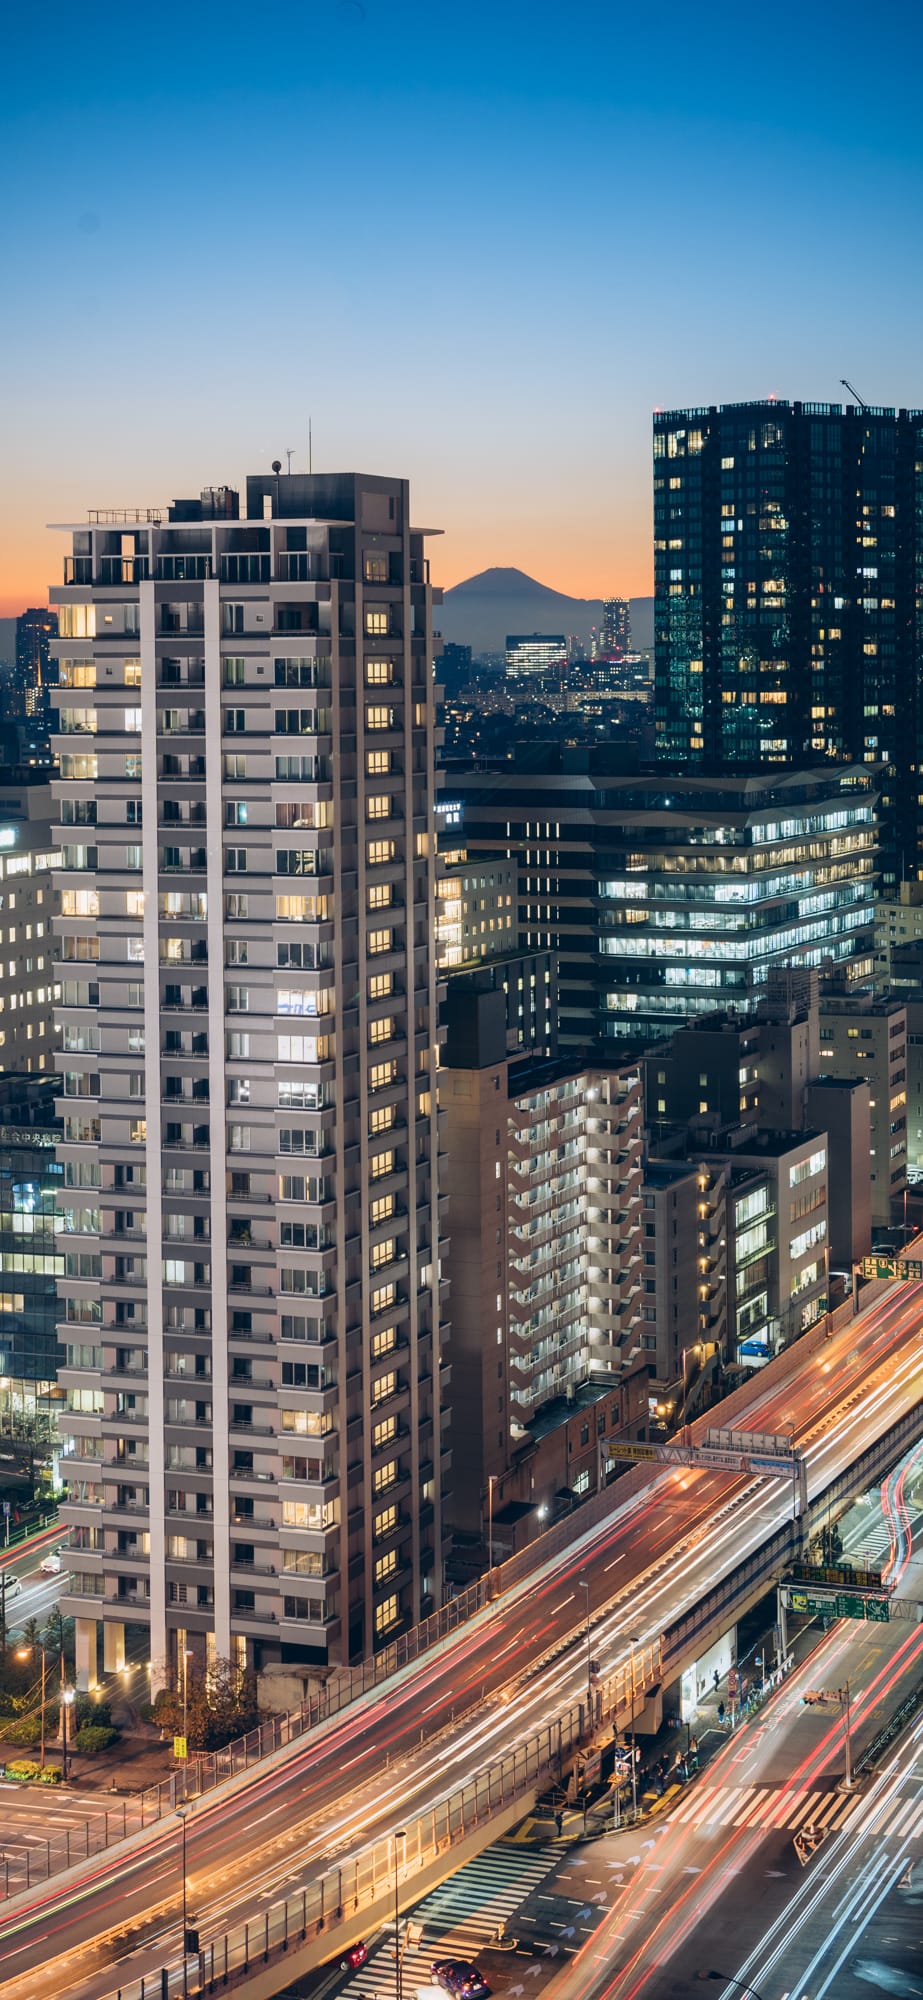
(460, 1978)
(50, 1565)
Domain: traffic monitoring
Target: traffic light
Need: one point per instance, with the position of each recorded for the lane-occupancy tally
(191, 1940)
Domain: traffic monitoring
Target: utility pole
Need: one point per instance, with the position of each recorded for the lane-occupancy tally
(398, 1957)
(846, 1710)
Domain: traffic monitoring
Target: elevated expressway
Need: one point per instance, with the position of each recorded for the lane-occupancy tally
(670, 1557)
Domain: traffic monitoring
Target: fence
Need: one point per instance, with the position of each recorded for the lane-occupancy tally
(376, 1872)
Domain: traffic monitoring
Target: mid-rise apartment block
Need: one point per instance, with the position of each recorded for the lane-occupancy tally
(251, 1297)
(867, 1039)
(543, 1179)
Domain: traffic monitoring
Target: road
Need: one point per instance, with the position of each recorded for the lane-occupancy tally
(38, 1594)
(404, 1746)
(718, 1886)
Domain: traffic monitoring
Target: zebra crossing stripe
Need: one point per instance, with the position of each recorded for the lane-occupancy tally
(753, 1811)
(825, 1815)
(896, 1821)
(805, 1811)
(840, 1817)
(698, 1809)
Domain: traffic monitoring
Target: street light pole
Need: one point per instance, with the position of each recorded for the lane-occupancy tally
(845, 1706)
(182, 1820)
(64, 1706)
(634, 1766)
(490, 1533)
(398, 1961)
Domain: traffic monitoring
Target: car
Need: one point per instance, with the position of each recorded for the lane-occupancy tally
(50, 1565)
(12, 1585)
(354, 1957)
(460, 1978)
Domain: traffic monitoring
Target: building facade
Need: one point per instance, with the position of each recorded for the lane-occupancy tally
(29, 985)
(666, 898)
(788, 630)
(534, 652)
(867, 1039)
(543, 1180)
(256, 1456)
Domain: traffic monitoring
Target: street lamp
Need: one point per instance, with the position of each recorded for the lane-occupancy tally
(398, 1963)
(67, 1696)
(633, 1641)
(187, 1655)
(491, 1482)
(181, 1815)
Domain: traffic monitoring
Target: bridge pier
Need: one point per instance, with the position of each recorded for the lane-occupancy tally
(86, 1641)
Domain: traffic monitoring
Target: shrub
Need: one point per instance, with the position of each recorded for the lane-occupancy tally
(25, 1770)
(87, 1711)
(91, 1738)
(52, 1775)
(26, 1729)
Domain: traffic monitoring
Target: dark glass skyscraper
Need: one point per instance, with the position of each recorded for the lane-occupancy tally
(788, 577)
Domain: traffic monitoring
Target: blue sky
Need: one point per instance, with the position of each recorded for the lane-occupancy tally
(477, 244)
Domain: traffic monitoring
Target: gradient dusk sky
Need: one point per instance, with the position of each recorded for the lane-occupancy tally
(478, 243)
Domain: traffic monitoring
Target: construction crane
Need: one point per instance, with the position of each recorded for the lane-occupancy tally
(853, 392)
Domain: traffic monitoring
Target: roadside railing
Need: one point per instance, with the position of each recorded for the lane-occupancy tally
(371, 1876)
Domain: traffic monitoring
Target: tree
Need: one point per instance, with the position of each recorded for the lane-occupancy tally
(220, 1705)
(58, 1635)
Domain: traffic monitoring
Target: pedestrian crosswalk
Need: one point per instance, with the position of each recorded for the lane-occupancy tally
(459, 1918)
(792, 1808)
(764, 1806)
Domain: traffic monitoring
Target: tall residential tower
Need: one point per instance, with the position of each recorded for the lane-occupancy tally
(246, 746)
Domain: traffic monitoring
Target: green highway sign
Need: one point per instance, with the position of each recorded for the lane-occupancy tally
(908, 1268)
(835, 1604)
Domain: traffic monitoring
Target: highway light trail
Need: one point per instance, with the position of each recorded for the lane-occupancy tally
(506, 1672)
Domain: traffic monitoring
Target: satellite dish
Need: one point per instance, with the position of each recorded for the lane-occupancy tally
(277, 465)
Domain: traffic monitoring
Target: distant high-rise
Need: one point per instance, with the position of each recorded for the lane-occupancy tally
(534, 652)
(615, 628)
(35, 670)
(788, 629)
(255, 1456)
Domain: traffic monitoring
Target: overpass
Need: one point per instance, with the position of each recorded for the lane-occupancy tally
(453, 1745)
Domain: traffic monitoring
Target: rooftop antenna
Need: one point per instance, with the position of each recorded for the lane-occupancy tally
(310, 449)
(853, 392)
(289, 455)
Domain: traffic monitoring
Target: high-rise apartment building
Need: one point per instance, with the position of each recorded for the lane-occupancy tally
(788, 543)
(256, 1456)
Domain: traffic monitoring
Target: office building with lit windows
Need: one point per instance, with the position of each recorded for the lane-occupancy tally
(670, 897)
(256, 1458)
(788, 630)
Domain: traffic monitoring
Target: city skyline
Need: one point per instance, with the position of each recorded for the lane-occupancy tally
(520, 247)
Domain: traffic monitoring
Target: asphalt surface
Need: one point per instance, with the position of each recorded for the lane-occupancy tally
(368, 1771)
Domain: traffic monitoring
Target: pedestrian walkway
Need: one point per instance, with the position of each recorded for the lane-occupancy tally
(763, 1806)
(459, 1918)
